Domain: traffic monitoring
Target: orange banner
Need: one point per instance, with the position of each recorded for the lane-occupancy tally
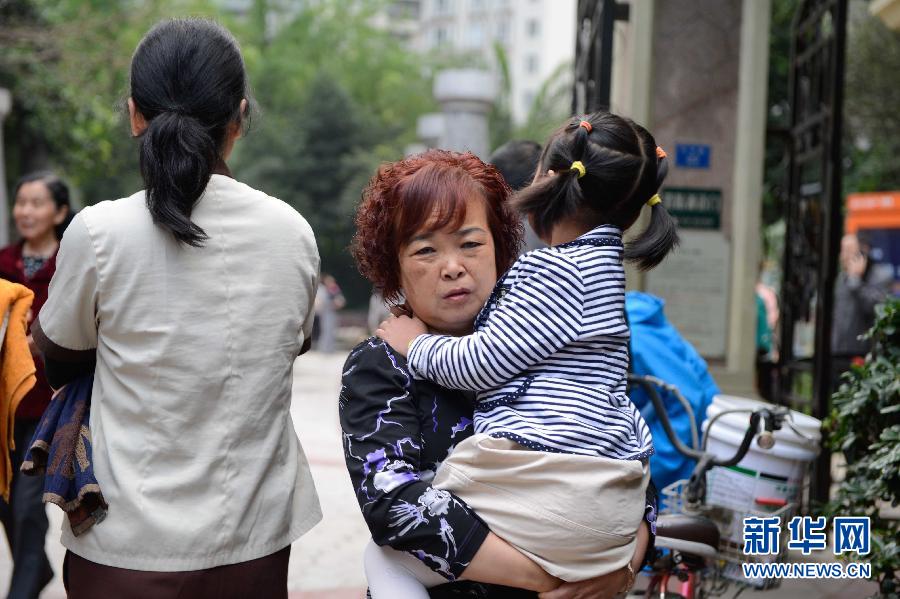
(872, 210)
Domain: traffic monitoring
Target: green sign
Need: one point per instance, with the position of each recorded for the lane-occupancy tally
(694, 208)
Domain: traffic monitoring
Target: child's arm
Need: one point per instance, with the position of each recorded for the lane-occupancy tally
(540, 314)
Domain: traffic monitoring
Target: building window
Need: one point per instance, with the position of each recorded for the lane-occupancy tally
(503, 32)
(478, 5)
(534, 28)
(475, 35)
(441, 36)
(528, 99)
(444, 7)
(532, 63)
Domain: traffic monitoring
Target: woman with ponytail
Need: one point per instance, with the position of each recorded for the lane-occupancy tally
(190, 300)
(558, 464)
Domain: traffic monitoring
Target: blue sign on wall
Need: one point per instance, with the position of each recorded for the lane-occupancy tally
(692, 155)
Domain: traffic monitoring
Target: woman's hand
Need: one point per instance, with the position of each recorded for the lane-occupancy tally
(608, 585)
(400, 331)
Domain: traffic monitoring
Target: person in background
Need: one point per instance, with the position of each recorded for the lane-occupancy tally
(767, 315)
(329, 299)
(41, 212)
(378, 311)
(517, 162)
(862, 284)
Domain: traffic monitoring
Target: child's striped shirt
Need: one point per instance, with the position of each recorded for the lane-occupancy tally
(549, 355)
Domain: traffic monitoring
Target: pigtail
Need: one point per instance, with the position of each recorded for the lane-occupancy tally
(554, 197)
(661, 235)
(549, 200)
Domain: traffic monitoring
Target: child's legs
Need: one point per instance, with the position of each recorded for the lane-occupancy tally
(576, 516)
(394, 574)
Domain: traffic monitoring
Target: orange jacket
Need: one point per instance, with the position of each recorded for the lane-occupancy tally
(17, 372)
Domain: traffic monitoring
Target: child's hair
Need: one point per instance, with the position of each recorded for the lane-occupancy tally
(187, 81)
(620, 170)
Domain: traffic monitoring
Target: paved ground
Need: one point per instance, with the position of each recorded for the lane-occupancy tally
(326, 564)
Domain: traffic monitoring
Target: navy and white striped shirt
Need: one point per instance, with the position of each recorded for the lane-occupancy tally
(549, 354)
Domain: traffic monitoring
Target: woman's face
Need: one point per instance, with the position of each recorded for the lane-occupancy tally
(447, 275)
(35, 211)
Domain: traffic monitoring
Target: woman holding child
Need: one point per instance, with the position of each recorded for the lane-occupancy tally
(437, 228)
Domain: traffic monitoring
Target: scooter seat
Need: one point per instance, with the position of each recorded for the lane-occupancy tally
(688, 534)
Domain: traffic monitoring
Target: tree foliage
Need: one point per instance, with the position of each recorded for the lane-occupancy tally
(334, 96)
(865, 426)
(871, 119)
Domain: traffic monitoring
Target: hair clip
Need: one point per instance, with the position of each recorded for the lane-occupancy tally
(660, 153)
(587, 126)
(578, 166)
(654, 200)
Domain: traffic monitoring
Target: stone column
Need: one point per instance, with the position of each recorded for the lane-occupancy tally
(5, 107)
(430, 129)
(632, 93)
(747, 187)
(466, 97)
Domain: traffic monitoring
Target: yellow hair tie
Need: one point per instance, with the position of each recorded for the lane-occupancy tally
(578, 166)
(654, 200)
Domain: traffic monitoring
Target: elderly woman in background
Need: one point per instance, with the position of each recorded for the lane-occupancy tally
(436, 230)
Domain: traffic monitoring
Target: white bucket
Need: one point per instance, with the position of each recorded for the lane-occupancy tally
(766, 479)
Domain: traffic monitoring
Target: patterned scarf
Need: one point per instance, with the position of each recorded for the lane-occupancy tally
(61, 448)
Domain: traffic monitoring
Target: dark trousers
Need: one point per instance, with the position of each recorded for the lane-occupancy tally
(265, 578)
(25, 522)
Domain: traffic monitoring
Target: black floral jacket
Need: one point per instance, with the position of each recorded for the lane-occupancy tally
(396, 432)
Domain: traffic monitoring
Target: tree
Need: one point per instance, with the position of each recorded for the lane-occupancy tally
(312, 160)
(551, 107)
(67, 69)
(337, 97)
(778, 115)
(871, 120)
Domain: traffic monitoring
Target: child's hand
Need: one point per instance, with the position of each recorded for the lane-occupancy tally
(399, 332)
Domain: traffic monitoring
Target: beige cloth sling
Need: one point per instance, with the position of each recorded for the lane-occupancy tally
(576, 516)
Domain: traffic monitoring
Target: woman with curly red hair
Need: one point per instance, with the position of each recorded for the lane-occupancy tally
(436, 230)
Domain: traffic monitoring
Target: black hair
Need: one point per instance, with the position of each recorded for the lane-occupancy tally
(187, 81)
(59, 191)
(517, 161)
(622, 172)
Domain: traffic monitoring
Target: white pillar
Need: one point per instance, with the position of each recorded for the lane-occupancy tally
(746, 204)
(466, 97)
(632, 93)
(5, 107)
(430, 129)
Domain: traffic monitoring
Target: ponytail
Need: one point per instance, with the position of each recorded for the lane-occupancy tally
(607, 167)
(552, 198)
(177, 158)
(661, 235)
(189, 83)
(549, 200)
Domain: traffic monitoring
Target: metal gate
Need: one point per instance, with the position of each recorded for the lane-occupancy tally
(814, 219)
(593, 53)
